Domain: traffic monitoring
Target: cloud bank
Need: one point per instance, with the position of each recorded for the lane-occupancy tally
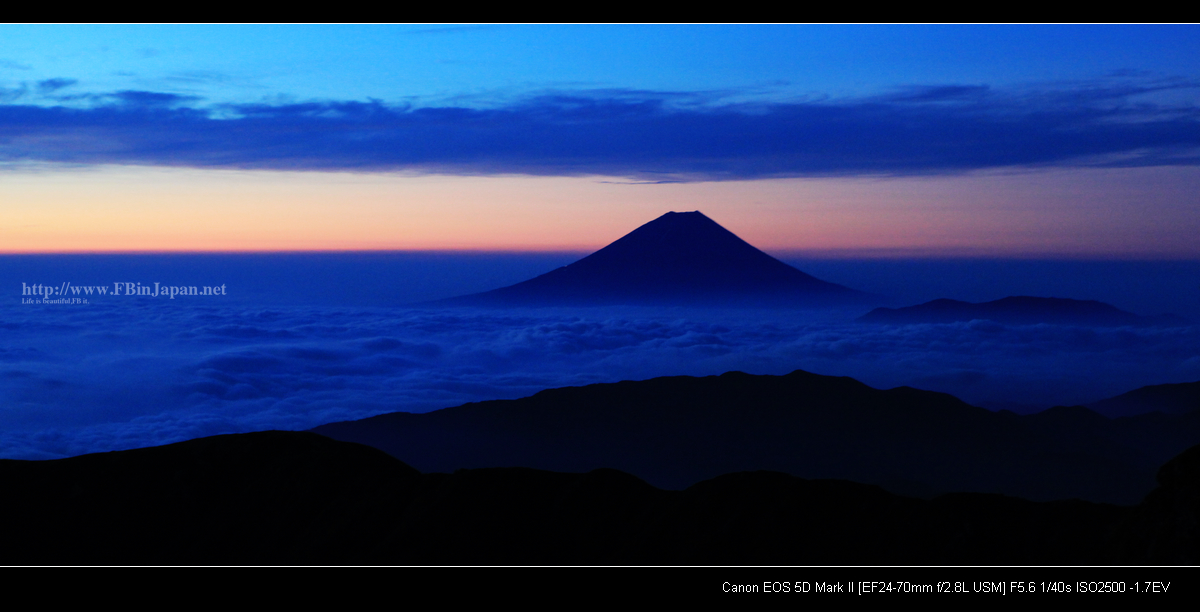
(106, 376)
(642, 135)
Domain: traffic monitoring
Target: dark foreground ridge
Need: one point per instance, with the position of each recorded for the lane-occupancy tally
(300, 498)
(1017, 310)
(678, 258)
(676, 431)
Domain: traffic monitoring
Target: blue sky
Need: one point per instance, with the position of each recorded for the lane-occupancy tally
(1111, 107)
(429, 63)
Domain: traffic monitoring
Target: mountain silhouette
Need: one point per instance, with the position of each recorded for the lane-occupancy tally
(1016, 310)
(281, 498)
(675, 431)
(678, 258)
(1181, 398)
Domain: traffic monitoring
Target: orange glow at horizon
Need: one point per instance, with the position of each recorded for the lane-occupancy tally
(1067, 212)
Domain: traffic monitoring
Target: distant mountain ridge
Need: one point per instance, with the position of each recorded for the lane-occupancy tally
(678, 258)
(1017, 310)
(1180, 398)
(676, 431)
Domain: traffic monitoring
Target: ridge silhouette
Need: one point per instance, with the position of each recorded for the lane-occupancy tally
(295, 498)
(1021, 309)
(1179, 398)
(677, 258)
(675, 431)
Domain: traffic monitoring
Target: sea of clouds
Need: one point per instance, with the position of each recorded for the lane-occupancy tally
(117, 374)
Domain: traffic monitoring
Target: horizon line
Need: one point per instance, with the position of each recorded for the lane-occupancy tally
(870, 253)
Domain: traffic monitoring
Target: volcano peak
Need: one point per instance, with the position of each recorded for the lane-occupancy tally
(679, 258)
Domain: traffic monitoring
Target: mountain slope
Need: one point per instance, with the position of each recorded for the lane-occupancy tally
(678, 258)
(676, 431)
(1181, 398)
(297, 498)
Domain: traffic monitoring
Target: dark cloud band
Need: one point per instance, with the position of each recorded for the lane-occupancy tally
(647, 136)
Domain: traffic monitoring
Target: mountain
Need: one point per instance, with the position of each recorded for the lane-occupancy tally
(1016, 310)
(676, 431)
(284, 498)
(678, 258)
(269, 497)
(1182, 398)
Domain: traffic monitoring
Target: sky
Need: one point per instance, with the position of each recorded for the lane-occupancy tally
(861, 141)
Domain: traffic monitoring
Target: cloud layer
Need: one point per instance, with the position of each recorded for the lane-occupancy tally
(105, 376)
(637, 134)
